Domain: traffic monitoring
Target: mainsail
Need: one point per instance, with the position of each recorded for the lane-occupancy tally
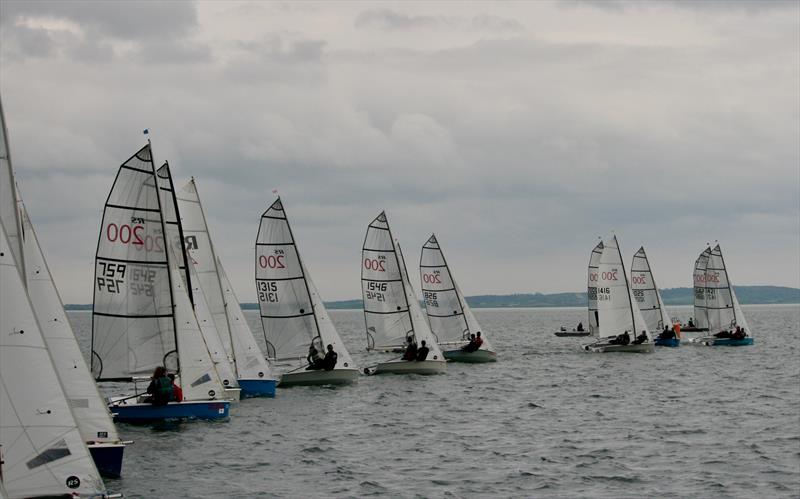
(614, 296)
(43, 451)
(450, 317)
(724, 312)
(594, 260)
(699, 278)
(292, 314)
(648, 298)
(8, 197)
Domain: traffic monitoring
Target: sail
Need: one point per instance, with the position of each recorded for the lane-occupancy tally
(614, 296)
(720, 300)
(386, 307)
(250, 362)
(421, 330)
(8, 197)
(591, 291)
(43, 451)
(236, 336)
(197, 241)
(327, 330)
(196, 296)
(648, 298)
(92, 415)
(700, 310)
(450, 318)
(132, 319)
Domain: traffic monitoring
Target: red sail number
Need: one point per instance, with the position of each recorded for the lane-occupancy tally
(271, 262)
(125, 234)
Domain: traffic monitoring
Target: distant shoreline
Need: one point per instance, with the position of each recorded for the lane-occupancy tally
(747, 295)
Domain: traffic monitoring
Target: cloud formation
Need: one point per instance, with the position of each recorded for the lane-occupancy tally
(518, 132)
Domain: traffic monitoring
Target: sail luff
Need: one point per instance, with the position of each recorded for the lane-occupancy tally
(172, 201)
(591, 291)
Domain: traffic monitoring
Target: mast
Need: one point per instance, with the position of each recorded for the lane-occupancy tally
(627, 285)
(727, 282)
(171, 190)
(404, 276)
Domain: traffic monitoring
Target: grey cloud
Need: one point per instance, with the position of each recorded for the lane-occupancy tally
(489, 22)
(749, 6)
(391, 20)
(278, 58)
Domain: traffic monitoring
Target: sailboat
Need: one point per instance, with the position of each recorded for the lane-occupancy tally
(142, 317)
(648, 299)
(205, 321)
(724, 312)
(615, 309)
(253, 373)
(591, 295)
(700, 322)
(451, 320)
(43, 451)
(392, 312)
(292, 313)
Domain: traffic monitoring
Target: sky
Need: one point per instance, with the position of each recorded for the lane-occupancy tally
(518, 132)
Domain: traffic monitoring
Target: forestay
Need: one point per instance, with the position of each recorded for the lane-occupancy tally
(614, 297)
(648, 298)
(92, 415)
(449, 315)
(236, 336)
(724, 312)
(43, 451)
(197, 297)
(386, 308)
(699, 278)
(591, 292)
(133, 328)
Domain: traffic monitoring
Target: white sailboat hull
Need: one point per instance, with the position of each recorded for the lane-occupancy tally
(411, 367)
(630, 348)
(319, 377)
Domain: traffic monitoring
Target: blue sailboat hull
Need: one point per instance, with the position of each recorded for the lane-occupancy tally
(730, 342)
(258, 387)
(668, 342)
(143, 413)
(107, 458)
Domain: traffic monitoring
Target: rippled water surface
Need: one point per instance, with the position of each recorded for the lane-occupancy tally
(547, 420)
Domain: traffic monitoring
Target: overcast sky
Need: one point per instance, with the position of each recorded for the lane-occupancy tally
(518, 132)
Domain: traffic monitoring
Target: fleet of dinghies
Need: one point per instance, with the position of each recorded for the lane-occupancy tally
(163, 302)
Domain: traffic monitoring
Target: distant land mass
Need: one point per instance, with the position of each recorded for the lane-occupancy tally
(747, 295)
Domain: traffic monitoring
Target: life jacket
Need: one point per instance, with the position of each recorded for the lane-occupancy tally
(162, 391)
(177, 393)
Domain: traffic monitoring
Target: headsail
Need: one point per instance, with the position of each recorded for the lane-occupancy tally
(648, 298)
(450, 317)
(699, 278)
(8, 197)
(43, 451)
(724, 312)
(92, 415)
(594, 260)
(614, 296)
(133, 328)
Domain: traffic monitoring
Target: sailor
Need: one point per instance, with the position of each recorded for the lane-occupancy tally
(739, 334)
(723, 334)
(329, 362)
(478, 341)
(641, 338)
(422, 353)
(580, 326)
(315, 360)
(177, 392)
(666, 334)
(411, 349)
(691, 323)
(160, 387)
(470, 347)
(622, 339)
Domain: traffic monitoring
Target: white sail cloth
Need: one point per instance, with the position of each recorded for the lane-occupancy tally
(724, 312)
(648, 298)
(591, 290)
(699, 279)
(43, 449)
(449, 315)
(615, 307)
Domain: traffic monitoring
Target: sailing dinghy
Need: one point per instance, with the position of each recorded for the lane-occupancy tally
(616, 312)
(292, 313)
(700, 322)
(391, 309)
(649, 301)
(724, 313)
(253, 372)
(172, 221)
(451, 320)
(142, 317)
(591, 295)
(43, 451)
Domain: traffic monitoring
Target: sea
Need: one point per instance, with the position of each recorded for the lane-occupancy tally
(546, 420)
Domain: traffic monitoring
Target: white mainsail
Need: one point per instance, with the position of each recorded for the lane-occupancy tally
(197, 297)
(648, 298)
(449, 315)
(699, 278)
(591, 292)
(236, 336)
(724, 312)
(92, 415)
(43, 451)
(614, 296)
(391, 309)
(292, 314)
(8, 197)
